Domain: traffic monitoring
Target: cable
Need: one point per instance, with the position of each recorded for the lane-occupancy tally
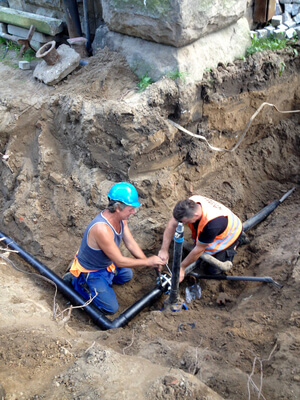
(181, 128)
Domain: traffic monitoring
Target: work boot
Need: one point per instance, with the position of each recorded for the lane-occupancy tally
(243, 239)
(68, 278)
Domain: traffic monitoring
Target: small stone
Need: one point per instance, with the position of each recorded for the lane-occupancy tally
(170, 380)
(24, 64)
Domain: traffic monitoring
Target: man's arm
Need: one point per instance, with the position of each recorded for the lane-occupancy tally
(167, 238)
(191, 257)
(131, 244)
(104, 238)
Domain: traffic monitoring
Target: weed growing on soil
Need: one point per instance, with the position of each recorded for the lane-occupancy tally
(7, 46)
(144, 82)
(269, 43)
(177, 75)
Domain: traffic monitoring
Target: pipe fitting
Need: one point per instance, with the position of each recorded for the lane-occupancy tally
(49, 53)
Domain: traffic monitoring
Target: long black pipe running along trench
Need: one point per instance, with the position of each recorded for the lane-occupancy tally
(97, 316)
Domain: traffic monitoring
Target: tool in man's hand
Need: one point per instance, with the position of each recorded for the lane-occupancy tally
(170, 272)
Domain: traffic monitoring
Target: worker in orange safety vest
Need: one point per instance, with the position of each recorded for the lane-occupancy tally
(216, 230)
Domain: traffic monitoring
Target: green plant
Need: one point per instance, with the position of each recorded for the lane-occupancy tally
(144, 82)
(29, 55)
(269, 43)
(177, 75)
(282, 66)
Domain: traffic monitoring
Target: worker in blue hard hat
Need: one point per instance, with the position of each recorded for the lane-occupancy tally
(99, 262)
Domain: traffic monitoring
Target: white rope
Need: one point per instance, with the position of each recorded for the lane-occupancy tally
(181, 128)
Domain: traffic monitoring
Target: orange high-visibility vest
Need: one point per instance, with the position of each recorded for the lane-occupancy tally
(212, 209)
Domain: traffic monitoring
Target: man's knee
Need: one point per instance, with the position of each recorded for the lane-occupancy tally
(124, 275)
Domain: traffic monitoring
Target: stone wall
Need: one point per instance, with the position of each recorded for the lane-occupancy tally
(175, 36)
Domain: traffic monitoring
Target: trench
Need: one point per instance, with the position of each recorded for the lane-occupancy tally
(66, 154)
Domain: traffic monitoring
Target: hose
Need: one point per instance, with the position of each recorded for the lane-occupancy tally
(181, 128)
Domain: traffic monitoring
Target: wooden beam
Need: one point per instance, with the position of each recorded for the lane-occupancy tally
(47, 25)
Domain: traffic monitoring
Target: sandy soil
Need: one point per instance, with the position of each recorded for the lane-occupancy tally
(67, 145)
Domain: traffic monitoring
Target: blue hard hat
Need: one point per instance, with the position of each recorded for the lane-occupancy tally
(126, 193)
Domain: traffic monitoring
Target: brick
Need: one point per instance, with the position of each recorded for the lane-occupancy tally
(270, 29)
(276, 20)
(279, 33)
(282, 27)
(295, 9)
(262, 33)
(290, 24)
(286, 17)
(288, 8)
(290, 33)
(297, 30)
(297, 19)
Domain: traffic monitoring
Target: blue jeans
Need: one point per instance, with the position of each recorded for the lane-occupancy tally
(88, 284)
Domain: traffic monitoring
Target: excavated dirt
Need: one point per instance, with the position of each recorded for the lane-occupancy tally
(66, 146)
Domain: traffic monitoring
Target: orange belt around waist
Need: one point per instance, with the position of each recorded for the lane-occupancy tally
(76, 268)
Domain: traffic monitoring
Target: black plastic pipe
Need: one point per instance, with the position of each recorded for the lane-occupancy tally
(87, 26)
(72, 18)
(262, 214)
(97, 316)
(220, 277)
(177, 255)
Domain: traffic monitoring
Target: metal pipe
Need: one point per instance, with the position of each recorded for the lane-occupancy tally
(262, 214)
(177, 255)
(97, 316)
(72, 18)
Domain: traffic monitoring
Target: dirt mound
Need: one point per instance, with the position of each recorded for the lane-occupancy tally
(66, 146)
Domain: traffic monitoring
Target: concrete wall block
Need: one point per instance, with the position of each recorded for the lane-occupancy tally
(173, 22)
(3, 27)
(52, 74)
(158, 59)
(22, 33)
(297, 19)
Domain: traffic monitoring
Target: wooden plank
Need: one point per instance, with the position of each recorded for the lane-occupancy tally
(47, 25)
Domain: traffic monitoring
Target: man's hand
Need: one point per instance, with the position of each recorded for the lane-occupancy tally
(164, 255)
(181, 274)
(155, 262)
